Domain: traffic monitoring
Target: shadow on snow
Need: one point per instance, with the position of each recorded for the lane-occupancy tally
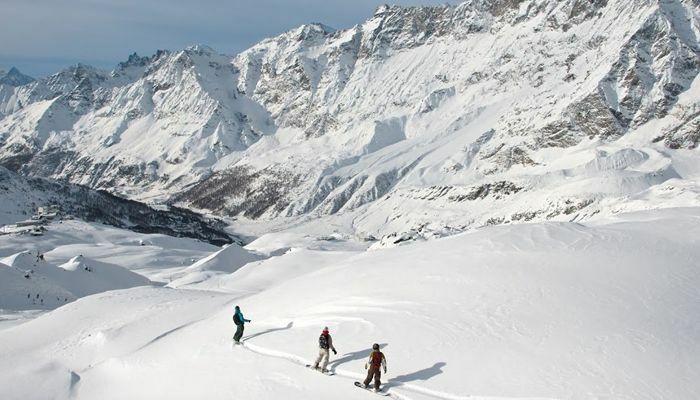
(355, 355)
(284, 328)
(421, 375)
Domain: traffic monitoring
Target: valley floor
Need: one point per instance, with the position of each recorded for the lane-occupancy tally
(608, 310)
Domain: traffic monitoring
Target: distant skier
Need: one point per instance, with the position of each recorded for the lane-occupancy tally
(325, 344)
(374, 363)
(240, 321)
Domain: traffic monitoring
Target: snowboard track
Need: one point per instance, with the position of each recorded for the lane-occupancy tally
(359, 377)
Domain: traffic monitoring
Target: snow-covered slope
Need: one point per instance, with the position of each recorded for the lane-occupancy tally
(421, 118)
(30, 282)
(536, 311)
(73, 259)
(223, 262)
(157, 256)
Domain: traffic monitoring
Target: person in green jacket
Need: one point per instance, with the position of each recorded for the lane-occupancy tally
(240, 321)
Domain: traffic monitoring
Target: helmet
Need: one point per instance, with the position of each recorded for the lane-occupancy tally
(325, 329)
(375, 346)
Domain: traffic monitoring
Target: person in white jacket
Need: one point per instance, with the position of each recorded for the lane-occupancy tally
(325, 345)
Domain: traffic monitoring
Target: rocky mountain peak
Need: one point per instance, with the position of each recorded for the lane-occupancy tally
(134, 60)
(14, 77)
(74, 75)
(200, 50)
(315, 28)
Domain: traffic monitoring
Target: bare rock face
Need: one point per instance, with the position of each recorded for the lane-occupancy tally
(658, 63)
(247, 192)
(686, 135)
(540, 93)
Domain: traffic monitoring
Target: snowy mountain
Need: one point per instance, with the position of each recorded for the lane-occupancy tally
(485, 113)
(14, 77)
(152, 122)
(420, 121)
(327, 148)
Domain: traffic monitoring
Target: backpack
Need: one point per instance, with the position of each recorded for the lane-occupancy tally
(237, 319)
(323, 342)
(376, 360)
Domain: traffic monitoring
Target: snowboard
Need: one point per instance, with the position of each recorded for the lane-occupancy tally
(326, 372)
(358, 384)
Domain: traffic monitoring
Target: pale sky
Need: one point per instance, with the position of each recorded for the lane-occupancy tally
(41, 37)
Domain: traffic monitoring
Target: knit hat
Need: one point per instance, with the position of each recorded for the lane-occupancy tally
(325, 329)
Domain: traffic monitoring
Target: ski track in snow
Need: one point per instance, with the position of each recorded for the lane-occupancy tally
(153, 341)
(303, 362)
(509, 297)
(396, 394)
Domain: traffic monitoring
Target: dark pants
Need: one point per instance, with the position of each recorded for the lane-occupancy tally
(239, 333)
(374, 372)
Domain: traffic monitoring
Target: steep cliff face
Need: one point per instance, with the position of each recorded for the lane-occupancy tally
(586, 107)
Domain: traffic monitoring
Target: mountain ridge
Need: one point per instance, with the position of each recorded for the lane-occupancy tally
(468, 99)
(14, 77)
